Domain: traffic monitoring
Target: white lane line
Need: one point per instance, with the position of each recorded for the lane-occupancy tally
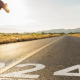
(27, 56)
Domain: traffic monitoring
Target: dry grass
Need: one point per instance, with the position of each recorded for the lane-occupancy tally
(11, 38)
(76, 35)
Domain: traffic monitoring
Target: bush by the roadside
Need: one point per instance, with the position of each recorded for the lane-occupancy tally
(11, 38)
(76, 35)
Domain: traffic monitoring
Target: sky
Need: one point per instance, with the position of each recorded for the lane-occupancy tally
(38, 15)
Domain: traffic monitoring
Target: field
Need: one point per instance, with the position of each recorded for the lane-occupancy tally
(76, 35)
(17, 37)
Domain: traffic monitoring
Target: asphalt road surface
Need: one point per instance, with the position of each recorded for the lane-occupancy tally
(56, 58)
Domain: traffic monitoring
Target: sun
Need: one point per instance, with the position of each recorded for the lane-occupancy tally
(17, 12)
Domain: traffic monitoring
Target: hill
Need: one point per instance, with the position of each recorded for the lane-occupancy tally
(11, 30)
(60, 30)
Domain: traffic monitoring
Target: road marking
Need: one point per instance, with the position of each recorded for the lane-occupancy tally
(27, 56)
(6, 79)
(25, 79)
(21, 74)
(13, 79)
(2, 65)
(66, 72)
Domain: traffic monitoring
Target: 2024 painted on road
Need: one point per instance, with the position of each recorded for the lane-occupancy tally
(21, 74)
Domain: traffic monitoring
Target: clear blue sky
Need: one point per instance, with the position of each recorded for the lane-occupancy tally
(36, 15)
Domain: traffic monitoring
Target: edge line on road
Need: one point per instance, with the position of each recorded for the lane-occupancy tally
(27, 56)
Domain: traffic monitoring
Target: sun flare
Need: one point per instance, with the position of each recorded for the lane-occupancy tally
(17, 12)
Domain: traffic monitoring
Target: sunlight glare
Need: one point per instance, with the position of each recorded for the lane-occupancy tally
(17, 12)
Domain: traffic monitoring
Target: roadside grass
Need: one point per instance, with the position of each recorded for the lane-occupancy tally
(12, 38)
(75, 35)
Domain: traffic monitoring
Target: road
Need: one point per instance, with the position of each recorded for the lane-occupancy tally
(56, 58)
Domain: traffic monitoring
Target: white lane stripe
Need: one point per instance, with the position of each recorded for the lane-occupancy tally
(27, 56)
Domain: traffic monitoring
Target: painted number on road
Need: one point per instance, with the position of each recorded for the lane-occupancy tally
(21, 74)
(66, 72)
(2, 65)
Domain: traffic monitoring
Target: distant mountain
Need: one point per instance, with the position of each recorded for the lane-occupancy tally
(60, 30)
(9, 30)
